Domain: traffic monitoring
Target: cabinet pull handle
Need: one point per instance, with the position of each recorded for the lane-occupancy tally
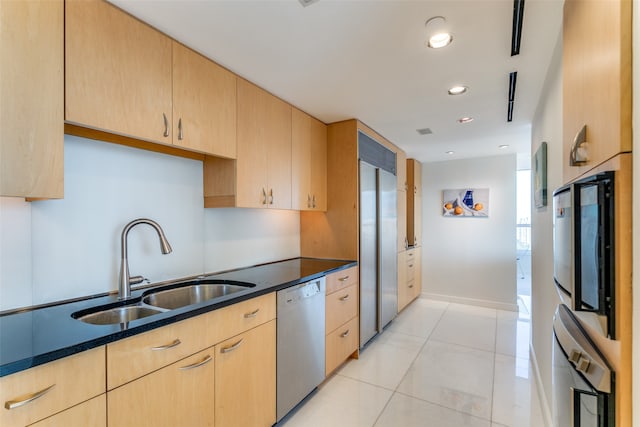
(345, 333)
(252, 314)
(406, 243)
(12, 404)
(180, 134)
(344, 298)
(174, 343)
(342, 279)
(204, 361)
(309, 201)
(264, 197)
(410, 265)
(578, 155)
(411, 286)
(166, 125)
(231, 347)
(314, 201)
(271, 196)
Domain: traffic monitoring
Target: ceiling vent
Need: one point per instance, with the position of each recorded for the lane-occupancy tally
(306, 3)
(425, 131)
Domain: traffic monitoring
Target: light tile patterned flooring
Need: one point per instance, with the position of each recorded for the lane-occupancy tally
(437, 364)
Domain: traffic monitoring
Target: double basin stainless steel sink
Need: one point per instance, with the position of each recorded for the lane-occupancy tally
(160, 300)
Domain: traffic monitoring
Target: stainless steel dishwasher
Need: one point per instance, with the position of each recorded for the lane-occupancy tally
(300, 343)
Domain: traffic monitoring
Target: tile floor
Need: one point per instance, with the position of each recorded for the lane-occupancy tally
(437, 364)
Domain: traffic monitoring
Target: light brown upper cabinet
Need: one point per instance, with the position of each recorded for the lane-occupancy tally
(204, 104)
(261, 175)
(401, 170)
(596, 82)
(126, 78)
(414, 202)
(31, 94)
(309, 162)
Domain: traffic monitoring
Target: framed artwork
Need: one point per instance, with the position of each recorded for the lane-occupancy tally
(466, 202)
(540, 176)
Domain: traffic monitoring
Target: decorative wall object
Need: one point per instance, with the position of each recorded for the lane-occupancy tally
(467, 202)
(540, 176)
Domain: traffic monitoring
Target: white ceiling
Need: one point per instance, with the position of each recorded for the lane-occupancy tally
(342, 59)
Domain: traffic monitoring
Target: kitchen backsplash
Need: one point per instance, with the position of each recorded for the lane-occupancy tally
(58, 249)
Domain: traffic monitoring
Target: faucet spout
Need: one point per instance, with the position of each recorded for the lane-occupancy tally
(125, 280)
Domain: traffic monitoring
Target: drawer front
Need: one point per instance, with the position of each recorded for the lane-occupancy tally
(342, 279)
(90, 413)
(340, 344)
(136, 356)
(238, 318)
(411, 270)
(72, 379)
(341, 306)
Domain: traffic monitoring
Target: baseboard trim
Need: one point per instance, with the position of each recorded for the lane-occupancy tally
(544, 406)
(472, 301)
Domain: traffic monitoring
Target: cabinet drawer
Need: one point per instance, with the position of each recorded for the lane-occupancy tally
(90, 413)
(72, 380)
(133, 357)
(180, 394)
(341, 306)
(341, 279)
(411, 270)
(240, 317)
(340, 344)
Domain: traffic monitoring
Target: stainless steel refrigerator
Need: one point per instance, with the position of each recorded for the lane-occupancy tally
(378, 248)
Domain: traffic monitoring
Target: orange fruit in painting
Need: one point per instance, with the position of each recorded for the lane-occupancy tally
(478, 206)
(457, 210)
(448, 206)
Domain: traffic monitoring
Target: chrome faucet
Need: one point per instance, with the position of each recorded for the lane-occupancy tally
(124, 280)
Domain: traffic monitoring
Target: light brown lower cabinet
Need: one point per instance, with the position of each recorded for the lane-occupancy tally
(409, 276)
(90, 413)
(245, 386)
(180, 394)
(340, 344)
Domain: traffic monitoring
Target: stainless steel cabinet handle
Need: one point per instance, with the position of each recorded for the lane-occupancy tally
(174, 343)
(232, 347)
(166, 125)
(410, 265)
(314, 201)
(252, 314)
(271, 196)
(264, 197)
(410, 286)
(342, 279)
(204, 361)
(180, 135)
(23, 400)
(345, 333)
(309, 201)
(344, 298)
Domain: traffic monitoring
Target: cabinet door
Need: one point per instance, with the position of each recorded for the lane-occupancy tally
(596, 80)
(90, 413)
(117, 72)
(31, 97)
(180, 394)
(403, 290)
(279, 154)
(318, 167)
(300, 160)
(402, 220)
(401, 170)
(253, 144)
(245, 392)
(204, 104)
(417, 289)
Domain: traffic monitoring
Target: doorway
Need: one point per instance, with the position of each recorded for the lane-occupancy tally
(523, 238)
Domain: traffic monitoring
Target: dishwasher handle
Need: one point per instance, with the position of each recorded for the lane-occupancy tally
(302, 292)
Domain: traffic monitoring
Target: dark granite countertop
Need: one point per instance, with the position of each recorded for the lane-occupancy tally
(32, 337)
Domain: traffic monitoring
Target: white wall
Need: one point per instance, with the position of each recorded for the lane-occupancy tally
(546, 126)
(471, 260)
(58, 249)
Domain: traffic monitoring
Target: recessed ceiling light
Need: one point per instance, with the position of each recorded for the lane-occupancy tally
(437, 32)
(439, 40)
(457, 90)
(503, 146)
(449, 152)
(464, 120)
